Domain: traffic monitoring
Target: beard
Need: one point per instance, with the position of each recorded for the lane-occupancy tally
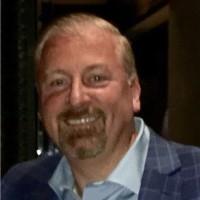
(81, 132)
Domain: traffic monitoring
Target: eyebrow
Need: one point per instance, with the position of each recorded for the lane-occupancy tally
(96, 66)
(54, 71)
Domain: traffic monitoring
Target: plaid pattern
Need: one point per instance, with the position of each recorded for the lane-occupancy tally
(172, 172)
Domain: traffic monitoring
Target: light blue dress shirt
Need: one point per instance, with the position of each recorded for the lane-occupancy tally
(122, 184)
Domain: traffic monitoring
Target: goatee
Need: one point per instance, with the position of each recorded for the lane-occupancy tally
(82, 132)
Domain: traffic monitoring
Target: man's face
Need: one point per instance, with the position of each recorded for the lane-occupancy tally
(86, 99)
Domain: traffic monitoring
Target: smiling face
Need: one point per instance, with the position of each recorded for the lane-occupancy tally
(86, 99)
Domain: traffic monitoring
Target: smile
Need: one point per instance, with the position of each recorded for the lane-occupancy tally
(82, 120)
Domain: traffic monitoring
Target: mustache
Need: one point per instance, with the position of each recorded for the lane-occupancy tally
(73, 112)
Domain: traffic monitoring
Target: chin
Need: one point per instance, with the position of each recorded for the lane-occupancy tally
(84, 149)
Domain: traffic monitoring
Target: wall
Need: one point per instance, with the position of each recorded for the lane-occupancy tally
(184, 72)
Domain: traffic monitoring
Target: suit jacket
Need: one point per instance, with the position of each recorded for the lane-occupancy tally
(172, 172)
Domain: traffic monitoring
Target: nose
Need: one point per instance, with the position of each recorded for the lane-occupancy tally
(78, 94)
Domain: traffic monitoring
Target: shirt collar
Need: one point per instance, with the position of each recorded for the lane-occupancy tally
(130, 169)
(128, 172)
(62, 178)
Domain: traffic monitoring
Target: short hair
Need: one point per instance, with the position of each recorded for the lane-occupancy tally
(74, 24)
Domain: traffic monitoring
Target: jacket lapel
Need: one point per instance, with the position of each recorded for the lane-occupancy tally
(161, 179)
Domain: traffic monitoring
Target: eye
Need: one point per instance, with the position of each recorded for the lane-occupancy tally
(96, 80)
(57, 83)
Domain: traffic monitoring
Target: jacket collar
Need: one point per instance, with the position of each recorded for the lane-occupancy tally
(162, 155)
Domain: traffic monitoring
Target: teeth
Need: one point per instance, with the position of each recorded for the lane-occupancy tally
(84, 120)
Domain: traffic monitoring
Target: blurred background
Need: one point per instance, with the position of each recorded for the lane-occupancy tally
(164, 37)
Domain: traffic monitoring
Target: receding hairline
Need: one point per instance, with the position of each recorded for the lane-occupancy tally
(72, 24)
(76, 24)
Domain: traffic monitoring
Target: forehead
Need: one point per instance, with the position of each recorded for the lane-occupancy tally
(92, 39)
(92, 44)
(85, 36)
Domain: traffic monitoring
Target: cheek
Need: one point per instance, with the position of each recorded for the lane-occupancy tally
(118, 104)
(50, 107)
(52, 103)
(117, 97)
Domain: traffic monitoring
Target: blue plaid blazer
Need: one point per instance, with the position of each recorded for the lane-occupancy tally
(172, 172)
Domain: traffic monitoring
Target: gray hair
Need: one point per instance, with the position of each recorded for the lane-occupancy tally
(75, 23)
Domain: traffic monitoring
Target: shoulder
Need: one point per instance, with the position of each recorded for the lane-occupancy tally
(167, 155)
(26, 175)
(41, 166)
(188, 155)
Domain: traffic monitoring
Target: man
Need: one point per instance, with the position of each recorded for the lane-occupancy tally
(88, 93)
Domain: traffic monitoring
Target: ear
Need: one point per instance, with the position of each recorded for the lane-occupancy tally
(136, 91)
